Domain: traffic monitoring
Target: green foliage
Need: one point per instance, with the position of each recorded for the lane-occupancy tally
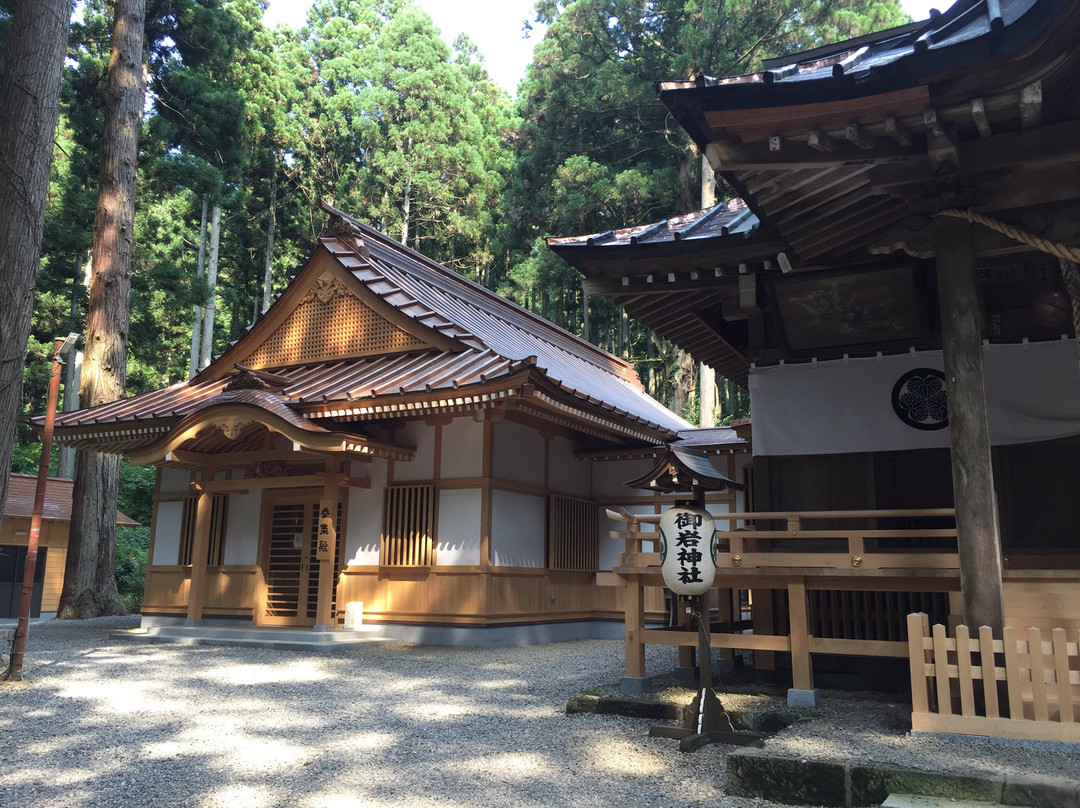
(598, 151)
(136, 497)
(368, 108)
(132, 548)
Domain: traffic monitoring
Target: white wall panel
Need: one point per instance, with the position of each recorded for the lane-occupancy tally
(458, 527)
(519, 453)
(462, 448)
(609, 477)
(363, 522)
(242, 531)
(518, 522)
(167, 532)
(174, 480)
(569, 475)
(422, 467)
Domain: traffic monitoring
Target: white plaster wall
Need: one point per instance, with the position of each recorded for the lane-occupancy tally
(422, 467)
(242, 531)
(519, 453)
(458, 527)
(518, 524)
(567, 474)
(609, 547)
(462, 448)
(174, 480)
(167, 532)
(363, 522)
(609, 477)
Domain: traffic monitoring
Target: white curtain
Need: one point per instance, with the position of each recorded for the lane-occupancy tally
(864, 405)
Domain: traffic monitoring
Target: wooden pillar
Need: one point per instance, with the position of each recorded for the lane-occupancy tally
(199, 547)
(977, 532)
(326, 551)
(486, 505)
(634, 616)
(802, 671)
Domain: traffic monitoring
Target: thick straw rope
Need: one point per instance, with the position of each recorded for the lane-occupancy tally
(1016, 234)
(1068, 256)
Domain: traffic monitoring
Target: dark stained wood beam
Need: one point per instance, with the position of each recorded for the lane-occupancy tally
(638, 286)
(828, 181)
(898, 132)
(731, 157)
(1056, 144)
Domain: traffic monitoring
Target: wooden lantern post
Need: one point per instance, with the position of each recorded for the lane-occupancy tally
(13, 673)
(687, 553)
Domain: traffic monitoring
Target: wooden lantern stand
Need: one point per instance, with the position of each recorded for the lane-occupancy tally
(706, 721)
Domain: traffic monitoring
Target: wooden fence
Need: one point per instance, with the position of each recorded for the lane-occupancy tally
(1020, 686)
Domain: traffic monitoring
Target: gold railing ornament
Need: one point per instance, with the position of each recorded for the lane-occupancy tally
(736, 561)
(856, 561)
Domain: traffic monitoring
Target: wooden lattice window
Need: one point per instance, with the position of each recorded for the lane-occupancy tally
(573, 528)
(408, 526)
(215, 550)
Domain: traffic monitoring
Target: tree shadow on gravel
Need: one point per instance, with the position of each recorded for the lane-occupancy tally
(109, 723)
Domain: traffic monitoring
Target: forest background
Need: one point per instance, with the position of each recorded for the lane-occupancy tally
(245, 128)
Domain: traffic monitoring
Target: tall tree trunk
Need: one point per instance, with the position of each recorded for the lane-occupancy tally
(89, 578)
(405, 208)
(196, 325)
(271, 225)
(586, 321)
(207, 349)
(684, 382)
(707, 388)
(708, 184)
(65, 464)
(650, 352)
(29, 109)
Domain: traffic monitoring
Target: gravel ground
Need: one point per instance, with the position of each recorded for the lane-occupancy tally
(103, 722)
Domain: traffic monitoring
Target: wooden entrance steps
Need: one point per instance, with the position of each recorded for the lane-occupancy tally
(286, 639)
(919, 801)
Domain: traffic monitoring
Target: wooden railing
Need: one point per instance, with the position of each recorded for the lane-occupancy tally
(809, 578)
(871, 546)
(1020, 686)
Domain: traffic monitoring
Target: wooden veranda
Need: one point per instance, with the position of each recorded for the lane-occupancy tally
(849, 578)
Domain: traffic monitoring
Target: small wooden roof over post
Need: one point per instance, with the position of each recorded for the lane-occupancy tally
(684, 470)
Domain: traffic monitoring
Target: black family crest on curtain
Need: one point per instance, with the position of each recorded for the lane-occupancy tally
(919, 399)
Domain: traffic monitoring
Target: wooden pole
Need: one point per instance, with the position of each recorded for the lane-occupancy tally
(14, 670)
(977, 533)
(199, 548)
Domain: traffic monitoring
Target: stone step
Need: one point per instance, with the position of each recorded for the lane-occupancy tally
(254, 636)
(920, 801)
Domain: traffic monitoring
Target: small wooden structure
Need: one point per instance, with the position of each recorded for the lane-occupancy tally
(888, 284)
(393, 440)
(52, 552)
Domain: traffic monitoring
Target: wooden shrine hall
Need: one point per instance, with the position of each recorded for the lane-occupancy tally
(894, 277)
(394, 444)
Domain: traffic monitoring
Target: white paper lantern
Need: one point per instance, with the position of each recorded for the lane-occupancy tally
(688, 549)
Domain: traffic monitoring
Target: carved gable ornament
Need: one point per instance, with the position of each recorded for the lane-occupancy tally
(331, 322)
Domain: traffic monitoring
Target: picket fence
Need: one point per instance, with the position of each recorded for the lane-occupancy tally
(1019, 686)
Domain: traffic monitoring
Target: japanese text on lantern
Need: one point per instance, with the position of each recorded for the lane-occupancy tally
(687, 546)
